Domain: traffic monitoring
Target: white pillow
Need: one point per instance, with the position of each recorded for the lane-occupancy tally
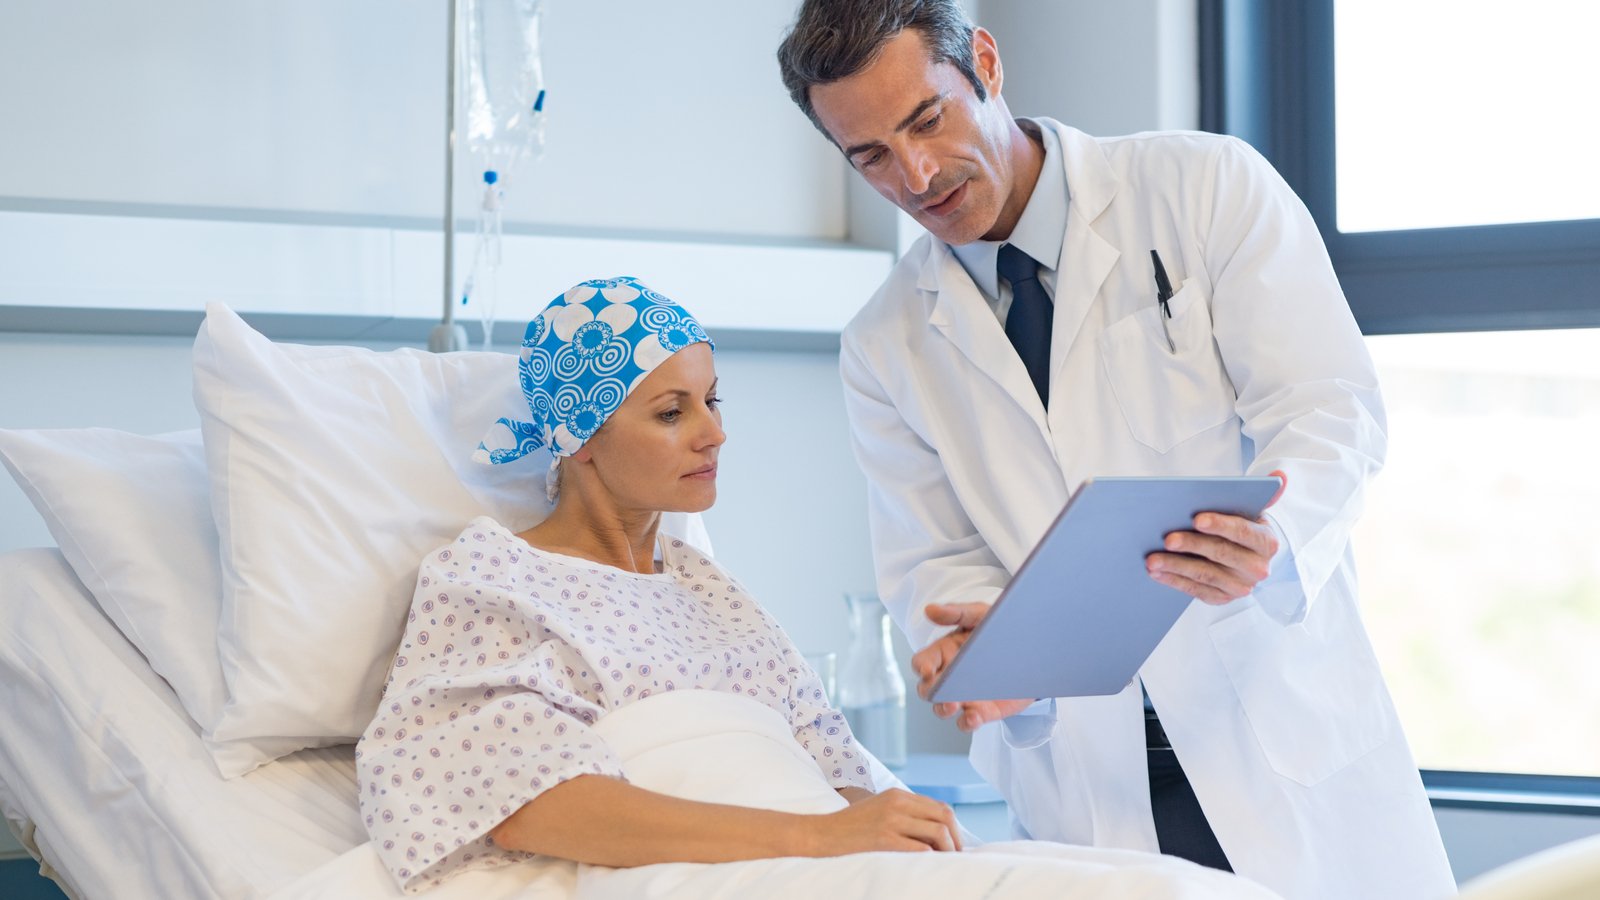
(132, 516)
(333, 471)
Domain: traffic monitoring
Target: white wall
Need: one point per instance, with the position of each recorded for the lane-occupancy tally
(288, 158)
(1106, 68)
(1479, 840)
(662, 117)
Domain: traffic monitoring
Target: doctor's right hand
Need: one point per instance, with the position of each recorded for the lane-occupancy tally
(932, 660)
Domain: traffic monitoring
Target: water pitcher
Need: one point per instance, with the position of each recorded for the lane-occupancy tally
(872, 694)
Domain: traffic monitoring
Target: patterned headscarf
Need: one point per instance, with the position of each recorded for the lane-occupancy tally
(581, 357)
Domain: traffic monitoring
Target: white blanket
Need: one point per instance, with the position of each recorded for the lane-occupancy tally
(662, 742)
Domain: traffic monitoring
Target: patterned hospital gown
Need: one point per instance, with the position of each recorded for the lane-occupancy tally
(511, 653)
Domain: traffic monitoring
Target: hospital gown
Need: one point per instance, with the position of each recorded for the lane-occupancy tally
(511, 653)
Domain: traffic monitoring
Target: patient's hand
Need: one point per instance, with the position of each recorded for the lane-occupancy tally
(932, 660)
(892, 820)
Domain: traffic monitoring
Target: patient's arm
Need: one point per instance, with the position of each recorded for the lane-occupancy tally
(606, 821)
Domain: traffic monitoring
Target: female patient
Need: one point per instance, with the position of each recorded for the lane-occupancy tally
(487, 745)
(517, 643)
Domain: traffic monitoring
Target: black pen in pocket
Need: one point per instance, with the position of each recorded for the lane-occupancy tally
(1163, 294)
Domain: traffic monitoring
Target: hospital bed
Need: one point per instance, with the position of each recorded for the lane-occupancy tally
(105, 780)
(115, 644)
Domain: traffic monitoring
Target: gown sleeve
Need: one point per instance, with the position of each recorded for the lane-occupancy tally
(819, 728)
(479, 717)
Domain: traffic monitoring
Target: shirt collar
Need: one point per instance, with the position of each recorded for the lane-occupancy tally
(1041, 229)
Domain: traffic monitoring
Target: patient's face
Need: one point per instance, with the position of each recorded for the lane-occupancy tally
(658, 451)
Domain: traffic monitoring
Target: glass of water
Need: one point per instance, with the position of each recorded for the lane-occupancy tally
(826, 665)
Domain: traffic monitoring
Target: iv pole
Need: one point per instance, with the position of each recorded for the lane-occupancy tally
(447, 335)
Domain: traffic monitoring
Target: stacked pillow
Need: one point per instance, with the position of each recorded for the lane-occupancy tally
(267, 576)
(132, 516)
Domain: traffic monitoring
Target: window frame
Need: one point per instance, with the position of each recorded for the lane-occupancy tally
(1267, 76)
(1568, 795)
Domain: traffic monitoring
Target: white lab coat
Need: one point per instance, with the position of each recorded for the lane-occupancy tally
(1273, 703)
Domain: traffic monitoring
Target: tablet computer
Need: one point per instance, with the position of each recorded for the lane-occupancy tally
(1082, 614)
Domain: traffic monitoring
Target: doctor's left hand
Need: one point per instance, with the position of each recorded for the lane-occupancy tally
(1223, 559)
(931, 660)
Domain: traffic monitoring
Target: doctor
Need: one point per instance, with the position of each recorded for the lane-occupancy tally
(1019, 349)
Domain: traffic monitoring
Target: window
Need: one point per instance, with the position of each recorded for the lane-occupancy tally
(1447, 153)
(1449, 114)
(1479, 552)
(1374, 109)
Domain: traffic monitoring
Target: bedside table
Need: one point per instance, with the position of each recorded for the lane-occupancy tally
(950, 778)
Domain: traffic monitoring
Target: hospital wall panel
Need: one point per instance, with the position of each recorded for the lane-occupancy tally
(659, 116)
(1107, 68)
(289, 159)
(347, 282)
(1478, 840)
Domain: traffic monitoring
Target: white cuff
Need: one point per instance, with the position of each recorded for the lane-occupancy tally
(1030, 727)
(1280, 594)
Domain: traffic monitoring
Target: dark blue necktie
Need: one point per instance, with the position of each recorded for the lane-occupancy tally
(1028, 322)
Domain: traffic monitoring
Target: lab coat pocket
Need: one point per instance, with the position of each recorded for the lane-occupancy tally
(1312, 692)
(1167, 395)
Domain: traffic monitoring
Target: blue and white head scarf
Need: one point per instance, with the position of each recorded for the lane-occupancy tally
(581, 357)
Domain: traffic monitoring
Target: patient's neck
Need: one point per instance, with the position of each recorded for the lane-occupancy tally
(597, 528)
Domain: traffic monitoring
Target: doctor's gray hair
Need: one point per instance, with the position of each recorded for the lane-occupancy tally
(834, 39)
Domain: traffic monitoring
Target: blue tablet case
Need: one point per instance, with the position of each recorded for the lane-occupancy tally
(1082, 615)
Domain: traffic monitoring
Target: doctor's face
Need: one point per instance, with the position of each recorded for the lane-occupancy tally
(917, 132)
(658, 450)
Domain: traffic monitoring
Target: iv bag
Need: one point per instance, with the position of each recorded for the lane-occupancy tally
(505, 126)
(505, 83)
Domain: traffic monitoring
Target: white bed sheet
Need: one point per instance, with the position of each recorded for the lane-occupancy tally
(664, 741)
(98, 756)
